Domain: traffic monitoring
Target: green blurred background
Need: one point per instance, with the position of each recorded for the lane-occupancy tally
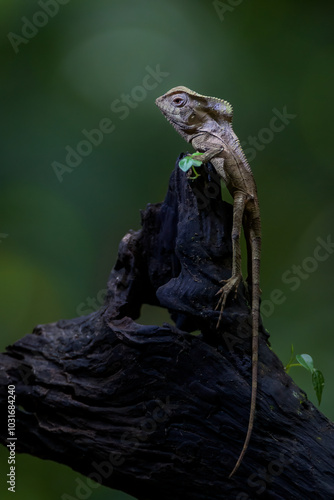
(59, 240)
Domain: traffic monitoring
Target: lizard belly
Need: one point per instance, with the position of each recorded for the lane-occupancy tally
(223, 167)
(243, 182)
(218, 164)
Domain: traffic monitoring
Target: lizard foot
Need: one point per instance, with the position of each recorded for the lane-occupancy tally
(230, 285)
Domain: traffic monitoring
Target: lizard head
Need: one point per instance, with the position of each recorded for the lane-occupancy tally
(191, 113)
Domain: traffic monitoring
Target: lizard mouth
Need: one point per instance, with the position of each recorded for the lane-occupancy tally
(166, 110)
(160, 103)
(170, 118)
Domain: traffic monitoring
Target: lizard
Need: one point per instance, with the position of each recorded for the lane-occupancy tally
(206, 123)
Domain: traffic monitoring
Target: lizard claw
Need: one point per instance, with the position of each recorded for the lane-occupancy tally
(230, 285)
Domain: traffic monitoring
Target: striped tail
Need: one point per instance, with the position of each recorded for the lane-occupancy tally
(255, 343)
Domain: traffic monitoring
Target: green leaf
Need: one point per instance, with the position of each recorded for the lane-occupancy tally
(318, 382)
(187, 162)
(306, 361)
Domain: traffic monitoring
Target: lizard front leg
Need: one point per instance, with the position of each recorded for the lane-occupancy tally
(207, 155)
(233, 282)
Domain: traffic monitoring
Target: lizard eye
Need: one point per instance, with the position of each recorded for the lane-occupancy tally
(178, 101)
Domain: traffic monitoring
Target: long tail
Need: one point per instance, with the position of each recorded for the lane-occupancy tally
(255, 343)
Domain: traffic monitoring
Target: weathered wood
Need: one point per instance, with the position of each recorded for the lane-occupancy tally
(156, 411)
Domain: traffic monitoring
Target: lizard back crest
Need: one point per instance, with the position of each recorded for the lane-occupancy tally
(220, 109)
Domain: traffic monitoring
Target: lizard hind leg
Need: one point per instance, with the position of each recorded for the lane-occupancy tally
(232, 283)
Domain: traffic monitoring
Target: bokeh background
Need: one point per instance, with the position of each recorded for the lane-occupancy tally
(60, 74)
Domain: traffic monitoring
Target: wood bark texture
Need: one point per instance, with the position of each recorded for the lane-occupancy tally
(157, 411)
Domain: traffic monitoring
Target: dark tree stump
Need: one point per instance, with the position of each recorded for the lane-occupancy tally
(156, 411)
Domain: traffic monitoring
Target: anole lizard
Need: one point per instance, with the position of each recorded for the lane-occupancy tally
(206, 122)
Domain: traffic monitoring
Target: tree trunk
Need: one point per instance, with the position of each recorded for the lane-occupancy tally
(159, 412)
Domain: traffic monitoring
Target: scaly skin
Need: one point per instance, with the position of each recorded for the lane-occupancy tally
(206, 122)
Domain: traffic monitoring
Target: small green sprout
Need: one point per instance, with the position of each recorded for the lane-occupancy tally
(189, 162)
(306, 361)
